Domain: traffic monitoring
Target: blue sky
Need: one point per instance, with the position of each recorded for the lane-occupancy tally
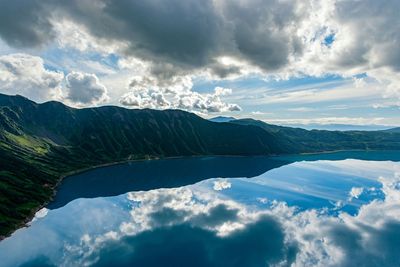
(285, 62)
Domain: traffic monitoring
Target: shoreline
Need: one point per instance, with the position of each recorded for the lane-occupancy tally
(61, 178)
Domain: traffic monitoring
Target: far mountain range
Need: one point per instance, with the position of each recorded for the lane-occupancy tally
(318, 126)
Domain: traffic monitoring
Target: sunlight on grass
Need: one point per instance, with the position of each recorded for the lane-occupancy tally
(28, 142)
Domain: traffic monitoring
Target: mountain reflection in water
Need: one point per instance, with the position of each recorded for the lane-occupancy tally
(145, 175)
(338, 209)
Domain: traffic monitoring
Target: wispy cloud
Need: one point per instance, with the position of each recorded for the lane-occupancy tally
(302, 109)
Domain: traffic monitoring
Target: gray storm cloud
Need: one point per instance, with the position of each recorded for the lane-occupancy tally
(25, 23)
(192, 34)
(188, 34)
(177, 38)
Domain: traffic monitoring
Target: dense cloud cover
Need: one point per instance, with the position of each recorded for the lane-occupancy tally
(179, 40)
(190, 34)
(187, 34)
(25, 23)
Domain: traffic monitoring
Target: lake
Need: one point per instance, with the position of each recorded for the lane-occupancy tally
(334, 209)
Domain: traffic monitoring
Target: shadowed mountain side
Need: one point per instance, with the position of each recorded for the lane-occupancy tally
(146, 175)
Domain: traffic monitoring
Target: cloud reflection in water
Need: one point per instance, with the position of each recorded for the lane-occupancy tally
(199, 226)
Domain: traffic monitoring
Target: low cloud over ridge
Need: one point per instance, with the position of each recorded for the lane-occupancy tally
(84, 88)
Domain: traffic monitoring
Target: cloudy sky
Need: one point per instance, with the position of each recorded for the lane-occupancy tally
(283, 61)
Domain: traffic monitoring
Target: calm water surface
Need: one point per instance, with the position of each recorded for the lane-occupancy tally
(339, 209)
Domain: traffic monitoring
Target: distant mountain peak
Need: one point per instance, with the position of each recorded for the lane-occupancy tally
(222, 119)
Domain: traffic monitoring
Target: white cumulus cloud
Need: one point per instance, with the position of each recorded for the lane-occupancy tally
(355, 192)
(150, 93)
(221, 185)
(26, 75)
(85, 89)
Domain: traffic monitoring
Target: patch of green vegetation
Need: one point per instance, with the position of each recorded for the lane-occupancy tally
(35, 144)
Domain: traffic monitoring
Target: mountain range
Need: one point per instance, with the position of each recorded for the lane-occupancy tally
(340, 127)
(41, 143)
(317, 126)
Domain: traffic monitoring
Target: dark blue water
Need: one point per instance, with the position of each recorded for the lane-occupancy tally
(339, 209)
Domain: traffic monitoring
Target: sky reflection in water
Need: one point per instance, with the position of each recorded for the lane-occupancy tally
(326, 213)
